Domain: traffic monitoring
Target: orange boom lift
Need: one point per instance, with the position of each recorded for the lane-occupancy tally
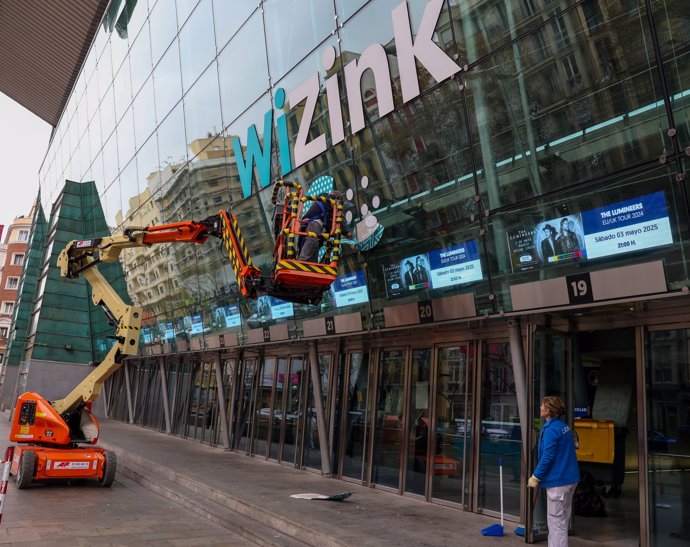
(57, 438)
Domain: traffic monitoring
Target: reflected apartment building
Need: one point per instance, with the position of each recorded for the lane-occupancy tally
(516, 197)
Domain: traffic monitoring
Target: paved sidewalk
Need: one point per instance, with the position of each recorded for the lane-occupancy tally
(262, 490)
(251, 497)
(370, 517)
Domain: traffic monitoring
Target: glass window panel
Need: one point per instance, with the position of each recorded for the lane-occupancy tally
(254, 116)
(97, 173)
(105, 71)
(673, 29)
(166, 81)
(133, 17)
(131, 198)
(82, 115)
(107, 110)
(147, 168)
(347, 8)
(92, 96)
(184, 8)
(110, 164)
(202, 107)
(125, 137)
(244, 57)
(112, 204)
(293, 29)
(95, 134)
(144, 112)
(197, 45)
(119, 47)
(163, 24)
(90, 64)
(320, 124)
(544, 125)
(140, 59)
(171, 138)
(373, 25)
(517, 255)
(229, 16)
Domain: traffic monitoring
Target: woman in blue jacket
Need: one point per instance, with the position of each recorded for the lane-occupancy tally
(557, 470)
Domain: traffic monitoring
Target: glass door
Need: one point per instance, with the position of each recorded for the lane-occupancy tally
(668, 436)
(312, 452)
(498, 437)
(388, 423)
(245, 403)
(292, 418)
(453, 423)
(263, 406)
(551, 373)
(356, 417)
(276, 409)
(423, 452)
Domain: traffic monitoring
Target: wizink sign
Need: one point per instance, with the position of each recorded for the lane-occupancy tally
(421, 49)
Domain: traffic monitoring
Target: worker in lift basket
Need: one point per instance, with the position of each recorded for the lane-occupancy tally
(318, 215)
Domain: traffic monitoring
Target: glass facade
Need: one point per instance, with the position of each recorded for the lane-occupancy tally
(554, 112)
(480, 145)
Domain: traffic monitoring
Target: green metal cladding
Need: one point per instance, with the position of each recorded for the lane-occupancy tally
(69, 327)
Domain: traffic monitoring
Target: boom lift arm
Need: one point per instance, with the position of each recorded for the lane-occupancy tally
(82, 257)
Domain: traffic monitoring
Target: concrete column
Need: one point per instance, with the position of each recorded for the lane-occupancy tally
(520, 376)
(164, 393)
(225, 435)
(324, 445)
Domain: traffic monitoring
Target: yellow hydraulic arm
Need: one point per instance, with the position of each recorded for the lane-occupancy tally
(82, 257)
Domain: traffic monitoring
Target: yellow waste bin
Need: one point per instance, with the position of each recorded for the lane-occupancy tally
(595, 440)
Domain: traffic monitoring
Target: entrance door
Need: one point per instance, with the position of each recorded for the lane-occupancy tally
(264, 402)
(595, 374)
(388, 422)
(551, 372)
(453, 402)
(498, 438)
(356, 417)
(605, 386)
(292, 414)
(246, 395)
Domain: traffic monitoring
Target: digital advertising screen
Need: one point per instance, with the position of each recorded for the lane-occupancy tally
(269, 307)
(147, 335)
(436, 269)
(197, 324)
(350, 289)
(625, 226)
(459, 264)
(167, 330)
(228, 316)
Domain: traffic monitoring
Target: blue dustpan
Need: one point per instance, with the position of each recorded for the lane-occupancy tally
(493, 530)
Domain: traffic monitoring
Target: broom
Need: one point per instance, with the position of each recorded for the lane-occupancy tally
(497, 529)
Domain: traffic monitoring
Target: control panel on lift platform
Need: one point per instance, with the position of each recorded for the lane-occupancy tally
(27, 415)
